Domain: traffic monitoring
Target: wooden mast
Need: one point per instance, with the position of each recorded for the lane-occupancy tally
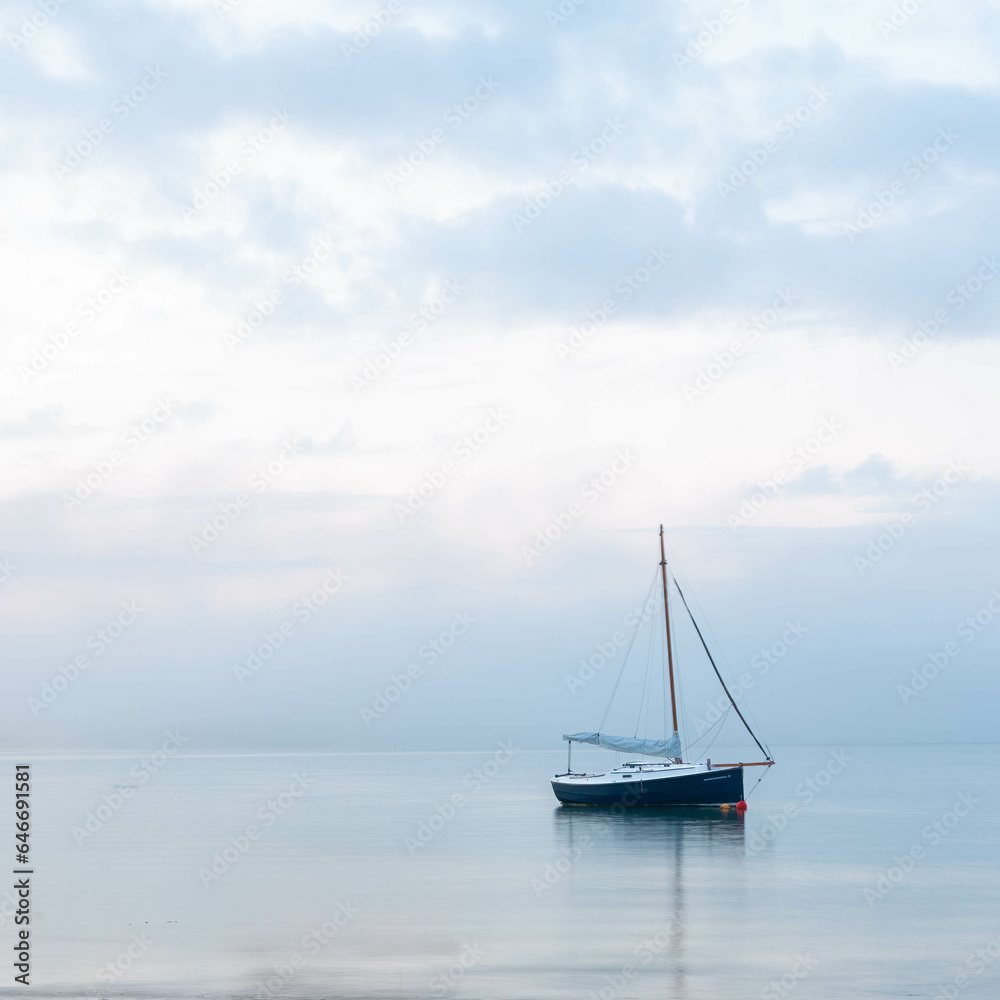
(666, 616)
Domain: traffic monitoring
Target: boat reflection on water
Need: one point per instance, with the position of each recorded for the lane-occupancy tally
(651, 829)
(710, 816)
(674, 865)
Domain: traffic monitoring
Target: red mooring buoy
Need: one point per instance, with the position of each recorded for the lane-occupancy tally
(741, 805)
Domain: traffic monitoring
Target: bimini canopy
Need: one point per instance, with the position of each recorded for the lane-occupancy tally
(629, 744)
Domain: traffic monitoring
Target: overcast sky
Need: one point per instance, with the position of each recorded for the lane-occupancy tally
(317, 316)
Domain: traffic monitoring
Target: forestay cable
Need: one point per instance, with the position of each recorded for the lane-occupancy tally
(717, 674)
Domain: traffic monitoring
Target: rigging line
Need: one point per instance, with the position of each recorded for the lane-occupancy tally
(705, 750)
(663, 676)
(643, 702)
(668, 727)
(642, 696)
(647, 685)
(717, 674)
(759, 780)
(621, 670)
(720, 722)
(679, 679)
(722, 655)
(652, 680)
(664, 660)
(718, 645)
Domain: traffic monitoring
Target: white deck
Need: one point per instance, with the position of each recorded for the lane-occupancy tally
(646, 770)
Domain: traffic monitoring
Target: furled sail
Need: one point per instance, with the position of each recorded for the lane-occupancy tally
(629, 744)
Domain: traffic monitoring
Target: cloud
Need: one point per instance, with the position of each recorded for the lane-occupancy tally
(446, 208)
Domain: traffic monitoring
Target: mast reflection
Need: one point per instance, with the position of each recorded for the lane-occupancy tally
(672, 856)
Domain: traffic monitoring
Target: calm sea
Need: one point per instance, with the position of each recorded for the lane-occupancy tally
(856, 872)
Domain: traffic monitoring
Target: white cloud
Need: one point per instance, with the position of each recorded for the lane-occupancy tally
(323, 176)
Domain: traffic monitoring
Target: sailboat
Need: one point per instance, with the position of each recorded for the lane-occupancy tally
(667, 781)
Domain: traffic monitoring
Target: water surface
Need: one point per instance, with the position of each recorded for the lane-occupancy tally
(442, 874)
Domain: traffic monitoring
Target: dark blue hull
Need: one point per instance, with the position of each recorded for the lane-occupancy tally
(703, 789)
